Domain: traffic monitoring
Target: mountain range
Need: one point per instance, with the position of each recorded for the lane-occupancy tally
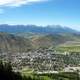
(50, 29)
(20, 38)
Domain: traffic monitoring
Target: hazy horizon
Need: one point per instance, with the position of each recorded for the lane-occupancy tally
(43, 26)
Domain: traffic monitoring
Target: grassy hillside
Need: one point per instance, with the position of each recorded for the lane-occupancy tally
(24, 42)
(50, 40)
(10, 43)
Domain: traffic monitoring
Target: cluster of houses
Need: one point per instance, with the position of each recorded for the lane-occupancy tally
(45, 60)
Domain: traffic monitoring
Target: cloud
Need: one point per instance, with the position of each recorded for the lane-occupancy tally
(18, 2)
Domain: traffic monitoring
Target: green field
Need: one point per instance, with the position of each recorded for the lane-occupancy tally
(68, 48)
(55, 76)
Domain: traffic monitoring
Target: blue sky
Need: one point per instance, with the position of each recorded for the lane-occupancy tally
(41, 12)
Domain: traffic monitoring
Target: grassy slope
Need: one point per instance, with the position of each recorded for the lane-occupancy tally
(11, 43)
